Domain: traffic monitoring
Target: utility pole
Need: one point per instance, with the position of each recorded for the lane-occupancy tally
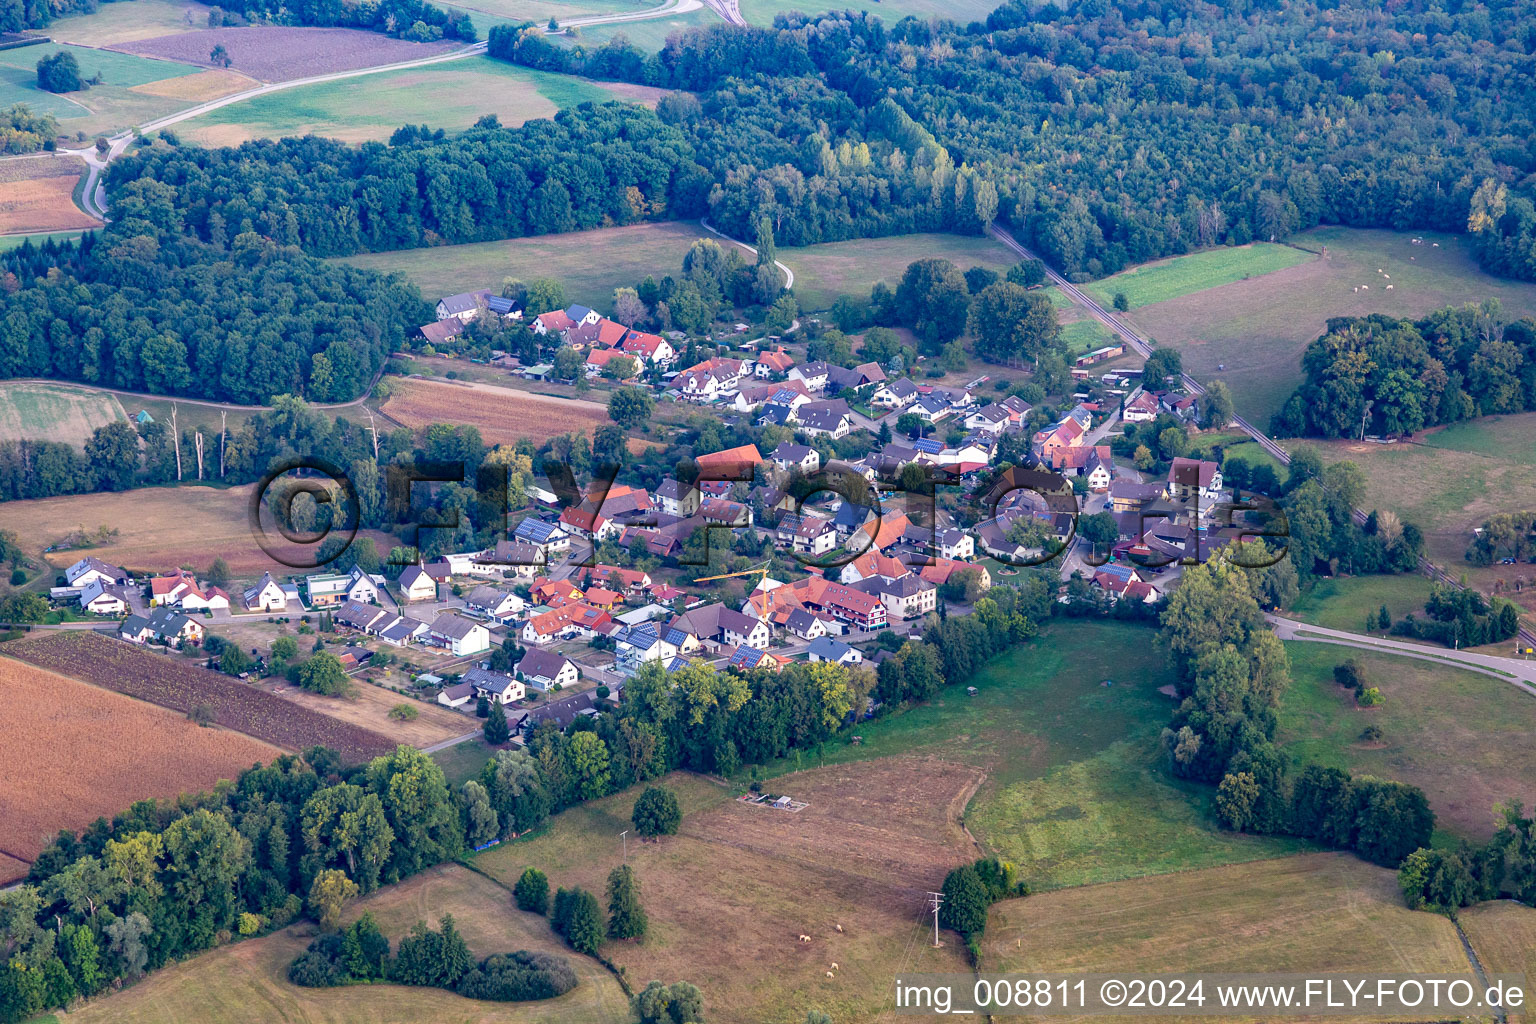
(624, 838)
(934, 899)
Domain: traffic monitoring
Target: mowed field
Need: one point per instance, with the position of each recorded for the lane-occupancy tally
(1467, 739)
(649, 34)
(73, 752)
(453, 96)
(116, 103)
(823, 272)
(1504, 935)
(159, 528)
(1167, 279)
(500, 414)
(1320, 913)
(590, 264)
(730, 894)
(54, 412)
(1449, 482)
(247, 983)
(124, 22)
(1258, 328)
(762, 12)
(37, 194)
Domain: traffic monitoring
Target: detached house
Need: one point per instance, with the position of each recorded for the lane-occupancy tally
(894, 394)
(417, 585)
(104, 598)
(1191, 479)
(832, 418)
(838, 653)
(494, 604)
(91, 569)
(464, 306)
(649, 348)
(544, 670)
(459, 635)
(330, 589)
(493, 686)
(265, 596)
(1141, 409)
(677, 498)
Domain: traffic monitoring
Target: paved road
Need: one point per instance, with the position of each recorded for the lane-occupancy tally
(789, 275)
(1520, 674)
(1142, 346)
(730, 10)
(94, 194)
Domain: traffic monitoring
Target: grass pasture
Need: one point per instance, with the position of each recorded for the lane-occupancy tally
(485, 13)
(247, 983)
(1168, 279)
(649, 34)
(1343, 602)
(724, 911)
(1467, 739)
(1324, 912)
(501, 414)
(32, 410)
(823, 272)
(47, 782)
(452, 96)
(114, 23)
(115, 103)
(1449, 482)
(1258, 328)
(628, 254)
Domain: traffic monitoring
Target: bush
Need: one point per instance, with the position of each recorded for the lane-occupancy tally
(1369, 697)
(1371, 734)
(18, 577)
(1349, 673)
(656, 813)
(404, 713)
(532, 891)
(518, 977)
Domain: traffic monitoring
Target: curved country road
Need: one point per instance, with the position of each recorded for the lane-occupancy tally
(789, 275)
(93, 195)
(1520, 674)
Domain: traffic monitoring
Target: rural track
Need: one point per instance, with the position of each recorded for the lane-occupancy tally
(789, 275)
(205, 403)
(1143, 347)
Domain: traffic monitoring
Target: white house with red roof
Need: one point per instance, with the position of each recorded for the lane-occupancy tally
(649, 348)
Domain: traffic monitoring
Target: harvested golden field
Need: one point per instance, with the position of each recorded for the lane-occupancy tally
(1323, 912)
(1503, 934)
(729, 895)
(42, 204)
(158, 528)
(199, 87)
(247, 983)
(500, 414)
(71, 752)
(369, 707)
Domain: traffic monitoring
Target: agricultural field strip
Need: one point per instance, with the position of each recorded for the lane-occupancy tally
(172, 683)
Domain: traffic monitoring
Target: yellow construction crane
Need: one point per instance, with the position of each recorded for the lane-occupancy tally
(759, 571)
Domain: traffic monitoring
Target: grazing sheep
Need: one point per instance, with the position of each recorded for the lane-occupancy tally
(829, 974)
(1386, 277)
(1357, 289)
(805, 938)
(834, 966)
(1365, 287)
(838, 927)
(1389, 287)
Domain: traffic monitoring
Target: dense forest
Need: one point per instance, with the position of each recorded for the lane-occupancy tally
(142, 307)
(408, 19)
(1118, 133)
(1381, 375)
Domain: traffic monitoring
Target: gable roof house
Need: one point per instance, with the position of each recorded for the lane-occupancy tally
(777, 361)
(103, 598)
(603, 514)
(838, 653)
(732, 464)
(494, 604)
(832, 418)
(1047, 444)
(544, 670)
(549, 538)
(265, 596)
(457, 695)
(907, 596)
(894, 394)
(326, 590)
(460, 635)
(464, 306)
(90, 569)
(417, 585)
(677, 498)
(649, 348)
(554, 322)
(494, 686)
(365, 618)
(161, 624)
(930, 408)
(1141, 409)
(990, 418)
(1190, 479)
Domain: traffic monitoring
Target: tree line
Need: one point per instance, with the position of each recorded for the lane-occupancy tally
(1231, 673)
(416, 20)
(1379, 374)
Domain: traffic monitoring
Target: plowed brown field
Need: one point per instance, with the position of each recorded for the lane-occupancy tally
(500, 414)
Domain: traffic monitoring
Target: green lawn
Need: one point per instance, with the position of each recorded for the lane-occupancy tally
(113, 104)
(1467, 739)
(463, 761)
(1342, 603)
(54, 412)
(649, 34)
(1168, 279)
(451, 96)
(1084, 336)
(823, 272)
(1250, 453)
(1508, 438)
(1258, 328)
